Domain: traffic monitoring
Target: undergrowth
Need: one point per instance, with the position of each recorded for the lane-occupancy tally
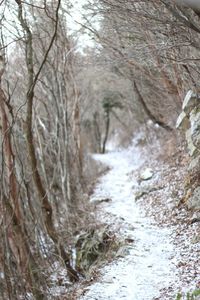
(189, 296)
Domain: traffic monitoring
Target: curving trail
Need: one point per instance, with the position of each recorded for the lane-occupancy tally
(147, 267)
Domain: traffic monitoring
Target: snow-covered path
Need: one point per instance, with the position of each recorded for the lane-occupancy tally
(147, 267)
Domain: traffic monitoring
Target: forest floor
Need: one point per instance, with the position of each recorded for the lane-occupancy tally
(161, 253)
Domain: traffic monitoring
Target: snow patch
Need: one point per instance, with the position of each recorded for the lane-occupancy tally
(146, 269)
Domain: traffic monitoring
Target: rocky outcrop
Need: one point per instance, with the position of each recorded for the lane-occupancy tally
(189, 122)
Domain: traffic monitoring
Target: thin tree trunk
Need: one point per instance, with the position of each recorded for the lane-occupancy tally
(106, 131)
(97, 132)
(32, 80)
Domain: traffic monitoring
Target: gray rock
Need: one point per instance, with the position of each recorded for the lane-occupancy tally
(196, 240)
(191, 147)
(146, 174)
(189, 102)
(195, 219)
(123, 251)
(146, 190)
(182, 121)
(194, 164)
(141, 192)
(194, 200)
(195, 127)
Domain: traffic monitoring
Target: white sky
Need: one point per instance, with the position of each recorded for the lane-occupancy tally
(11, 24)
(77, 11)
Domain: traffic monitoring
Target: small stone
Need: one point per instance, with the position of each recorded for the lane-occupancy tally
(140, 193)
(196, 240)
(146, 174)
(123, 251)
(195, 219)
(129, 240)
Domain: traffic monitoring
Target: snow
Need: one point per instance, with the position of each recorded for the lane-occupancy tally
(147, 267)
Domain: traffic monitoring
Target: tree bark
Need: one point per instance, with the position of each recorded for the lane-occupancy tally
(14, 220)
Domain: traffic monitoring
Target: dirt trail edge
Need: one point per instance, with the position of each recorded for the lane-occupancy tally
(150, 267)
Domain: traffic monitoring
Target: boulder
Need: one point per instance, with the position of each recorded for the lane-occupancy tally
(189, 102)
(182, 121)
(194, 200)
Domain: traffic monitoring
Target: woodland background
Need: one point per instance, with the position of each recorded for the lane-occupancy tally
(62, 98)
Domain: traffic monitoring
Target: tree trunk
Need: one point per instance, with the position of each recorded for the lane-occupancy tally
(106, 131)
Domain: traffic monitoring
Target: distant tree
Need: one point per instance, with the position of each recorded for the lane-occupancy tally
(109, 103)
